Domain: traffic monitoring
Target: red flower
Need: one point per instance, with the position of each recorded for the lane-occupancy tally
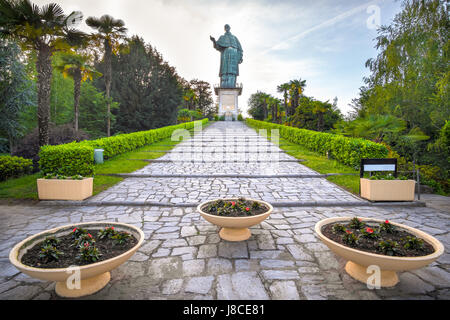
(112, 228)
(348, 231)
(89, 235)
(233, 203)
(74, 229)
(387, 222)
(369, 230)
(247, 209)
(86, 244)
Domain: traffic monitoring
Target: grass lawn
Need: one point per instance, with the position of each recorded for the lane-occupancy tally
(26, 188)
(322, 165)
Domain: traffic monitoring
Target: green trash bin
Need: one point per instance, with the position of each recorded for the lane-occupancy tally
(98, 155)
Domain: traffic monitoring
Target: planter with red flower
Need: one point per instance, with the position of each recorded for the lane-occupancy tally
(368, 242)
(235, 216)
(77, 257)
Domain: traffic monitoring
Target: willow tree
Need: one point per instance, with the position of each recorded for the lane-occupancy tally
(110, 31)
(44, 30)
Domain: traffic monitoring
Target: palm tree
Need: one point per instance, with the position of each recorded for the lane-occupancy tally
(264, 101)
(296, 89)
(44, 30)
(75, 66)
(110, 30)
(284, 88)
(320, 108)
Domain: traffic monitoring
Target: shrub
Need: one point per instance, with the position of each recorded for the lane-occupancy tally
(14, 167)
(78, 158)
(346, 150)
(28, 146)
(240, 117)
(67, 159)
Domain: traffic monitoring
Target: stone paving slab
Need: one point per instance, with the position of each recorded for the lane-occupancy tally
(183, 258)
(195, 190)
(225, 168)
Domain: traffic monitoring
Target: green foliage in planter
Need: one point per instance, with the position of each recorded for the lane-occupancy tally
(49, 253)
(350, 238)
(89, 253)
(389, 176)
(106, 233)
(77, 158)
(387, 227)
(240, 117)
(339, 228)
(369, 233)
(346, 150)
(14, 167)
(411, 242)
(356, 223)
(121, 238)
(67, 159)
(388, 247)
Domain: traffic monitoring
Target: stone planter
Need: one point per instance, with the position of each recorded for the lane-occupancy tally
(93, 277)
(235, 228)
(387, 190)
(358, 260)
(65, 189)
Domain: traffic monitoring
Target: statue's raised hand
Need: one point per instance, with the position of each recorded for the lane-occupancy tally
(212, 39)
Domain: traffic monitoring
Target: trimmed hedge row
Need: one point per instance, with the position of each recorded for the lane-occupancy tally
(78, 157)
(346, 150)
(14, 167)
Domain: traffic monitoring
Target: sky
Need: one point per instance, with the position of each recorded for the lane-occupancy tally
(325, 42)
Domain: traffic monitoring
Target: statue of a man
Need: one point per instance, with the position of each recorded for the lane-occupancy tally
(230, 57)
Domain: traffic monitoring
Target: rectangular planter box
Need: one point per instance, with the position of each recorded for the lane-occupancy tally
(54, 189)
(387, 190)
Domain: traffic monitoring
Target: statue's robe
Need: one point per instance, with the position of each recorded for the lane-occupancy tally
(231, 54)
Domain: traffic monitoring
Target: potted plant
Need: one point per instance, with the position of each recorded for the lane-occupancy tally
(84, 250)
(368, 242)
(235, 216)
(59, 187)
(387, 188)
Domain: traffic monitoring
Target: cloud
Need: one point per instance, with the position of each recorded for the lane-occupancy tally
(180, 30)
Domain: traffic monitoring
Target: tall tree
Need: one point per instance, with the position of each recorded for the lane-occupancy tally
(109, 30)
(152, 94)
(44, 30)
(296, 90)
(15, 94)
(75, 66)
(284, 89)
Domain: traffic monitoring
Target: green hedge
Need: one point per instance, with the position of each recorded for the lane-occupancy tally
(78, 157)
(14, 167)
(346, 150)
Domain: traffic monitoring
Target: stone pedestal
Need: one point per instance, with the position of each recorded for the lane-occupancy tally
(228, 102)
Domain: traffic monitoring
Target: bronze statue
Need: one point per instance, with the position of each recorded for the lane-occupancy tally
(230, 57)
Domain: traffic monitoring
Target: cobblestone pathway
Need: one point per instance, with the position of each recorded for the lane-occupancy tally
(232, 141)
(183, 257)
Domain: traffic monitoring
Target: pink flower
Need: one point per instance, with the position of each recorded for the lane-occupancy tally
(233, 203)
(247, 209)
(387, 222)
(74, 229)
(369, 230)
(89, 235)
(86, 244)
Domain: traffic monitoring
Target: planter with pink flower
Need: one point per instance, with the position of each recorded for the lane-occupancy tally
(235, 216)
(386, 245)
(77, 257)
